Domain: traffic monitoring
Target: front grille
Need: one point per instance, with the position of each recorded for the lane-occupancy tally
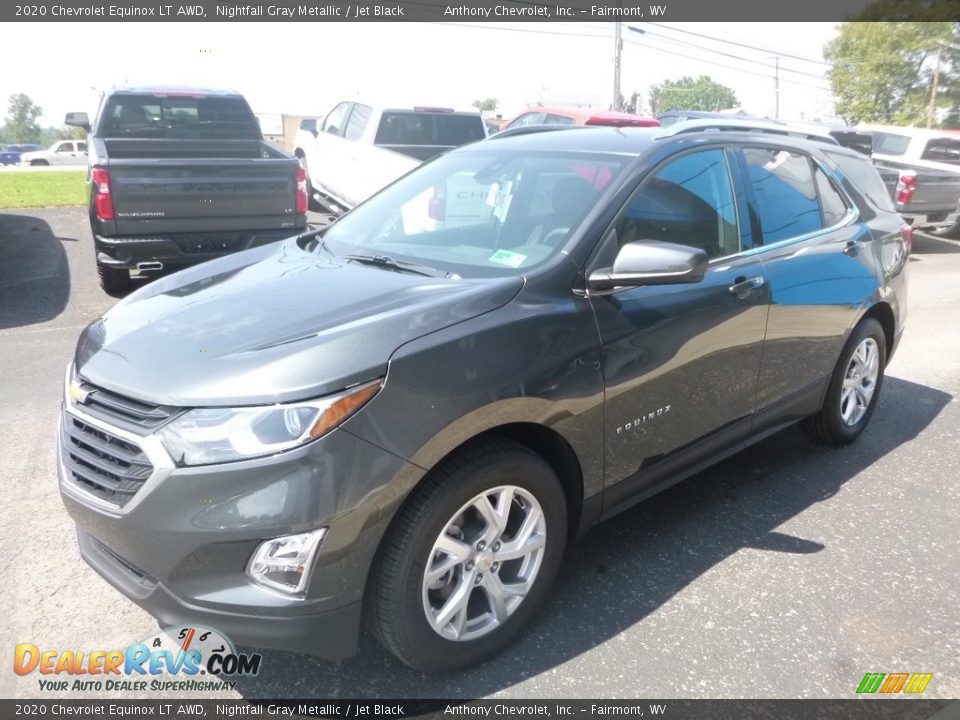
(101, 463)
(129, 414)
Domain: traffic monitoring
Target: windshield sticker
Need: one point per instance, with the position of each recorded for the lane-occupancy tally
(510, 259)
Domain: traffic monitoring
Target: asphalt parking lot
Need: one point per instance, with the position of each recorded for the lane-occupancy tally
(789, 570)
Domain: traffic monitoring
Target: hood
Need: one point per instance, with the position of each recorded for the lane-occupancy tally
(272, 324)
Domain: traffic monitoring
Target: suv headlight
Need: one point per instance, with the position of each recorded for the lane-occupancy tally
(213, 435)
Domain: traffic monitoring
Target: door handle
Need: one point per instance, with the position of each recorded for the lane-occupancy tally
(852, 248)
(742, 287)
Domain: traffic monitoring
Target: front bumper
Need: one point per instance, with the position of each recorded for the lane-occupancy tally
(182, 249)
(180, 546)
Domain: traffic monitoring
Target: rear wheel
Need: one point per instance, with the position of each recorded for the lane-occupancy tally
(114, 281)
(470, 558)
(39, 163)
(854, 387)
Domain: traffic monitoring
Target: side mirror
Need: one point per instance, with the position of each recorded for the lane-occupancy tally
(78, 119)
(651, 263)
(310, 125)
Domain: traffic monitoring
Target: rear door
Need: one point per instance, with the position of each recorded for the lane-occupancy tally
(817, 265)
(681, 362)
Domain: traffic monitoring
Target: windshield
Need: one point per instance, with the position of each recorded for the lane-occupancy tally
(480, 213)
(175, 116)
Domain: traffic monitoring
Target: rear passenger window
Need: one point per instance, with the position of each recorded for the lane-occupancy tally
(785, 192)
(552, 119)
(357, 122)
(864, 176)
(689, 201)
(831, 201)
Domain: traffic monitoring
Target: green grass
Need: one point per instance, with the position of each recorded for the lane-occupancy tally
(57, 188)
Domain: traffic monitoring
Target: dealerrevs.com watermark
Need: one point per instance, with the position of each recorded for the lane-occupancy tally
(174, 660)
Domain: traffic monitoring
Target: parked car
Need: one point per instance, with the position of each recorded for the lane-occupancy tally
(179, 176)
(578, 116)
(404, 417)
(63, 152)
(921, 169)
(360, 148)
(10, 154)
(494, 125)
(674, 116)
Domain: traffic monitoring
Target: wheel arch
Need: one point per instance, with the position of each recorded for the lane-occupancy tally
(883, 313)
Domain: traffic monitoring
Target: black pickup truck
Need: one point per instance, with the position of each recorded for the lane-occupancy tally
(181, 176)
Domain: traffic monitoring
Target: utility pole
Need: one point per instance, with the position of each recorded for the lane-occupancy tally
(933, 92)
(776, 87)
(617, 51)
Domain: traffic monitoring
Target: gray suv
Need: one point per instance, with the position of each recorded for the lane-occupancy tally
(401, 421)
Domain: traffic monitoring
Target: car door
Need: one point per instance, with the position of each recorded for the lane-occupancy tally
(328, 161)
(359, 157)
(680, 362)
(818, 273)
(63, 154)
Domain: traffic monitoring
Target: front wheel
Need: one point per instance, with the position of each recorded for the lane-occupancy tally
(854, 387)
(470, 558)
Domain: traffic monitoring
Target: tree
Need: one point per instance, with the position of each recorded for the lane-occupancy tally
(688, 93)
(22, 116)
(487, 105)
(882, 72)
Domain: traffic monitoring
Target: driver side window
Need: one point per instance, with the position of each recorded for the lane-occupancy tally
(334, 122)
(689, 201)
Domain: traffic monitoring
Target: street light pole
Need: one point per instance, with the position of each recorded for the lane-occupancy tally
(931, 111)
(776, 87)
(617, 52)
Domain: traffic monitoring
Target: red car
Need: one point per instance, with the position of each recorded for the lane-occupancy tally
(579, 116)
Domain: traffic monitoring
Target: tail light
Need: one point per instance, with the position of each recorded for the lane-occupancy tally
(437, 209)
(907, 232)
(302, 199)
(906, 186)
(102, 199)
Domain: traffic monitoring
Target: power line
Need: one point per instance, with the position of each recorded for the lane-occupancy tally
(724, 54)
(714, 63)
(738, 44)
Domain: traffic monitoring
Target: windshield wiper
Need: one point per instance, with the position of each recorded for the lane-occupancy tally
(385, 261)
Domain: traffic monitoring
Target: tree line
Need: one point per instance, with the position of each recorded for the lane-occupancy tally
(22, 124)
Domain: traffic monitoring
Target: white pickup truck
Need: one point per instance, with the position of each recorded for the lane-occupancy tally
(357, 149)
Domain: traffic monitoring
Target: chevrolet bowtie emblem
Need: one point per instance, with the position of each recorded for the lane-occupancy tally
(78, 394)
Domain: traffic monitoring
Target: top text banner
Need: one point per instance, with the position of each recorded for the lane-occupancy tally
(478, 11)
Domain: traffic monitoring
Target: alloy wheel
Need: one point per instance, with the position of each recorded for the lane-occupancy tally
(484, 563)
(860, 381)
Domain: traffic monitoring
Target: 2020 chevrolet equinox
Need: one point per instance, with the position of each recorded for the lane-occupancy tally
(401, 420)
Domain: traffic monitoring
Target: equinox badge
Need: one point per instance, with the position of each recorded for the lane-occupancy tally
(643, 419)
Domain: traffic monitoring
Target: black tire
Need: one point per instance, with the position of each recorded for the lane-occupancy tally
(39, 163)
(114, 281)
(827, 425)
(396, 609)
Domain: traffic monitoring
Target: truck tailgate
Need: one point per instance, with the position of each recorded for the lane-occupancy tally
(937, 190)
(176, 195)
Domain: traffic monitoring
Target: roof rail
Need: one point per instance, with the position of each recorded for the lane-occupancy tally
(769, 128)
(531, 129)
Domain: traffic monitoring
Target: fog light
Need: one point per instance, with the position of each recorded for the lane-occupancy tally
(284, 563)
